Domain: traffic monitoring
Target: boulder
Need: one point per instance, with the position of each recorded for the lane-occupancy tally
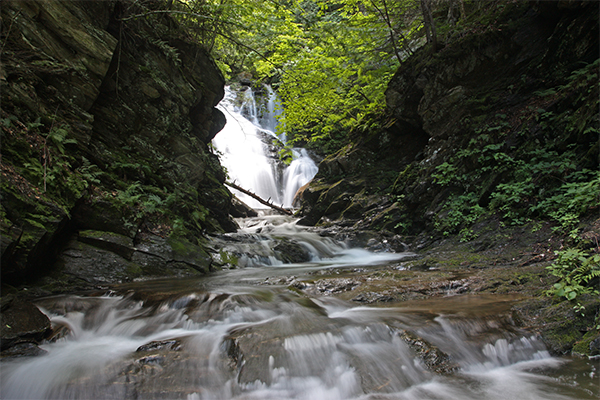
(22, 322)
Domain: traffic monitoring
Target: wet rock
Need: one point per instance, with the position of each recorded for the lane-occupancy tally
(231, 347)
(106, 216)
(68, 35)
(239, 209)
(152, 359)
(175, 250)
(289, 251)
(434, 359)
(95, 266)
(331, 286)
(119, 244)
(595, 347)
(170, 344)
(372, 297)
(104, 265)
(22, 350)
(29, 247)
(59, 331)
(22, 322)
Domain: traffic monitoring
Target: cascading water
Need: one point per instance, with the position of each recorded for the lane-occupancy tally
(273, 110)
(301, 170)
(248, 334)
(259, 332)
(244, 146)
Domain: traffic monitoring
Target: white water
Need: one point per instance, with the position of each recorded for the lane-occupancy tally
(236, 335)
(247, 334)
(243, 145)
(273, 110)
(301, 170)
(300, 354)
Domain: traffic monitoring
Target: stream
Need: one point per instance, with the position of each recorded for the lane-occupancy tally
(250, 333)
(264, 331)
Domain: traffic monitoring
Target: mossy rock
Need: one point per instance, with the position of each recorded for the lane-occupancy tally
(589, 345)
(119, 244)
(105, 215)
(567, 329)
(290, 252)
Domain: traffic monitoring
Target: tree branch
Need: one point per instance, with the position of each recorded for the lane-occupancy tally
(259, 199)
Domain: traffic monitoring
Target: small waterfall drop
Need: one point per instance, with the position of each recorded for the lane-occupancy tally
(249, 155)
(274, 330)
(300, 171)
(273, 110)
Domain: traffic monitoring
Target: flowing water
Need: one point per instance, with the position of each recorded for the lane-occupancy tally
(248, 333)
(249, 155)
(255, 333)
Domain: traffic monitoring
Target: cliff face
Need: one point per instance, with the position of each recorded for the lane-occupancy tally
(105, 124)
(496, 121)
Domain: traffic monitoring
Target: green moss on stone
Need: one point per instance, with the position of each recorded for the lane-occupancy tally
(582, 347)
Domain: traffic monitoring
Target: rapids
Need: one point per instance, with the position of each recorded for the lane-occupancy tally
(258, 332)
(249, 333)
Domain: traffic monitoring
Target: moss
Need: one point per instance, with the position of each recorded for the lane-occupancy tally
(582, 347)
(561, 339)
(178, 246)
(133, 270)
(228, 258)
(566, 326)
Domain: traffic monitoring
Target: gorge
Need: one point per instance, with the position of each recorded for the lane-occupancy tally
(417, 265)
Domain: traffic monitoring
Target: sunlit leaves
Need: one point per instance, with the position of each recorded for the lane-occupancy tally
(331, 60)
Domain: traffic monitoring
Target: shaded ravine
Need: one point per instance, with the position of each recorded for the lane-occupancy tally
(252, 333)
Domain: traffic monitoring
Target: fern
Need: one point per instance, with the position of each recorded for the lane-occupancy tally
(58, 136)
(169, 52)
(578, 273)
(129, 196)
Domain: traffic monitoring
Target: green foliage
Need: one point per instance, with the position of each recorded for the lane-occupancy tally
(58, 137)
(286, 153)
(578, 273)
(131, 195)
(170, 52)
(331, 63)
(458, 215)
(48, 165)
(533, 182)
(445, 173)
(339, 74)
(8, 121)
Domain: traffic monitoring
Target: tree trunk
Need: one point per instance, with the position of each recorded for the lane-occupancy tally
(463, 13)
(429, 24)
(259, 199)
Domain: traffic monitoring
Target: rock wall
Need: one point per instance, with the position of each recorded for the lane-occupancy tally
(519, 81)
(106, 118)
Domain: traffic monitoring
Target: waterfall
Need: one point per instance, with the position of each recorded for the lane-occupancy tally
(269, 116)
(247, 150)
(301, 170)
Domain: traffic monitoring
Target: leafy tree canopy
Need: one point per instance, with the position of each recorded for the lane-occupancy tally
(331, 61)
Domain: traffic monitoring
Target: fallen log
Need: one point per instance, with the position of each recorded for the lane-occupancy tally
(259, 199)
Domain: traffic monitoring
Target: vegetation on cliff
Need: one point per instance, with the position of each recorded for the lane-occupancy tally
(496, 129)
(105, 125)
(108, 110)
